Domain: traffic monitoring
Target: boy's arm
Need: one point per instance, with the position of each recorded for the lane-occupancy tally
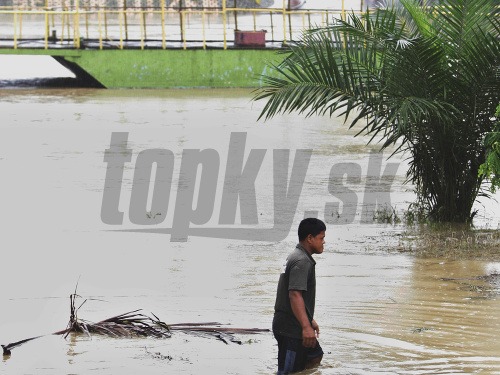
(299, 310)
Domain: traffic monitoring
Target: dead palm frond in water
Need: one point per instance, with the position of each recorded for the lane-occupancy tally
(8, 348)
(137, 324)
(215, 330)
(129, 324)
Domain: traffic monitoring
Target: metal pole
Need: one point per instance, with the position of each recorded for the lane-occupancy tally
(290, 20)
(125, 21)
(15, 30)
(47, 30)
(272, 26)
(184, 44)
(106, 24)
(99, 18)
(203, 30)
(76, 32)
(284, 21)
(68, 19)
(224, 22)
(46, 24)
(236, 15)
(20, 25)
(120, 16)
(181, 7)
(63, 20)
(144, 21)
(163, 41)
(141, 25)
(87, 22)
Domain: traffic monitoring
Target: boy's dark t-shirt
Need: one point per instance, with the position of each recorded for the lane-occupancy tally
(299, 275)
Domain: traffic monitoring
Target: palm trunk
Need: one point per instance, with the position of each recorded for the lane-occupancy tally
(448, 178)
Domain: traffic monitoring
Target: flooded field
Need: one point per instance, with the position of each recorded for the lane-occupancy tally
(379, 311)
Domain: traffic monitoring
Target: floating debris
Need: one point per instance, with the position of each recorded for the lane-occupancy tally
(158, 355)
(137, 324)
(422, 329)
(8, 348)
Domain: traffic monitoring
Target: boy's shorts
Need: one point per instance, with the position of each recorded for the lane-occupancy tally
(293, 356)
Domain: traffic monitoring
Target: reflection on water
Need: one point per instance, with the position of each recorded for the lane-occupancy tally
(378, 312)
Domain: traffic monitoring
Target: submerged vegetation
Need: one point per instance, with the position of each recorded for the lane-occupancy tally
(424, 238)
(137, 324)
(451, 242)
(425, 79)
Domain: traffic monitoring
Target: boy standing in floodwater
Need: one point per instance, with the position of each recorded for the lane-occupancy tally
(294, 326)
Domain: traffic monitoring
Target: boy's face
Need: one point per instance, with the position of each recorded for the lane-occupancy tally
(316, 243)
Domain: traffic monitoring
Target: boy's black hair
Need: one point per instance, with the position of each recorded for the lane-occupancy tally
(310, 226)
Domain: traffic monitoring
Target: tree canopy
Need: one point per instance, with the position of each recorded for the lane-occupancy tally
(425, 79)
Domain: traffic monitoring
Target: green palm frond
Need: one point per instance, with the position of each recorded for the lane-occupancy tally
(426, 77)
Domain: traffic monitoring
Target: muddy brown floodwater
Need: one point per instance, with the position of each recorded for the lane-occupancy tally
(379, 311)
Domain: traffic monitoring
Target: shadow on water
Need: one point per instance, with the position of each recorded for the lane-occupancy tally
(49, 82)
(43, 72)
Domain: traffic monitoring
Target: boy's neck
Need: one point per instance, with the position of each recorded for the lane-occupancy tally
(306, 247)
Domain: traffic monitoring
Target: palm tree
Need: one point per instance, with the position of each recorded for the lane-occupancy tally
(424, 78)
(490, 169)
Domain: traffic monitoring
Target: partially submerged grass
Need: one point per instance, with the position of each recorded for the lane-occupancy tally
(386, 215)
(451, 241)
(425, 238)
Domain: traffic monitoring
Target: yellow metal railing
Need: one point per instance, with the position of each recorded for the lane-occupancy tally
(77, 26)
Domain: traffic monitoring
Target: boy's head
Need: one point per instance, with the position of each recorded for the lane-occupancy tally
(310, 226)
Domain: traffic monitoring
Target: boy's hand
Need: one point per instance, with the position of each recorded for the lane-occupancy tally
(315, 327)
(308, 337)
